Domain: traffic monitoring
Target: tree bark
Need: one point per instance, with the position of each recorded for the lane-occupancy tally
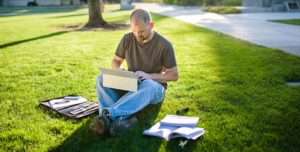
(95, 15)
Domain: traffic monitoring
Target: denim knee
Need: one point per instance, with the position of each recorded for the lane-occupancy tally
(156, 89)
(99, 78)
(152, 84)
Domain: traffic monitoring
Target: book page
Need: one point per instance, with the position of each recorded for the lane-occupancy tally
(160, 131)
(189, 133)
(58, 103)
(180, 121)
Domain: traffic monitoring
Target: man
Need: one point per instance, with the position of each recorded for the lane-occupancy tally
(152, 58)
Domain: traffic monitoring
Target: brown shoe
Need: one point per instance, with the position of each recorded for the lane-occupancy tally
(119, 127)
(100, 125)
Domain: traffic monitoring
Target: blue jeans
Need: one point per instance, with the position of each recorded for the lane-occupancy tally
(122, 106)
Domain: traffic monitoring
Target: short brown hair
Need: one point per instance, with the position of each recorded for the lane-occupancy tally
(142, 15)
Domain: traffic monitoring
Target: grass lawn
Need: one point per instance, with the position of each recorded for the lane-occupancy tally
(237, 89)
(291, 21)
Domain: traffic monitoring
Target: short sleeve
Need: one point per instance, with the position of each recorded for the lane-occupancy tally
(169, 60)
(121, 49)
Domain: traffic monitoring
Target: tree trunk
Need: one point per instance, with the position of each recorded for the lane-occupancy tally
(95, 15)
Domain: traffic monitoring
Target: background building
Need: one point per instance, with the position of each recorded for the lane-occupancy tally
(273, 5)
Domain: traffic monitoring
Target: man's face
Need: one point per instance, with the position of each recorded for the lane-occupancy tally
(141, 30)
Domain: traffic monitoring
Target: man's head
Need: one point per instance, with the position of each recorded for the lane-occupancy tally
(141, 25)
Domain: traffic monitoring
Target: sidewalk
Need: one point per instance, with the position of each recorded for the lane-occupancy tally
(252, 27)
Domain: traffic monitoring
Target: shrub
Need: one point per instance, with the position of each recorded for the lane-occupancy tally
(33, 3)
(199, 2)
(211, 2)
(183, 2)
(222, 10)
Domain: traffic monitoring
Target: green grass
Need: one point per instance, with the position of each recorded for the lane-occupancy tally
(237, 89)
(291, 21)
(28, 10)
(232, 2)
(222, 9)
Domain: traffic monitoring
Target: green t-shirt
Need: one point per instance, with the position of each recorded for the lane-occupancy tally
(150, 57)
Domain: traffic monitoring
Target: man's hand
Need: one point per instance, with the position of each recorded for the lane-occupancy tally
(165, 76)
(142, 75)
(116, 63)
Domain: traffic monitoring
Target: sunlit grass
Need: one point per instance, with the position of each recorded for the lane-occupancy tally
(237, 89)
(291, 21)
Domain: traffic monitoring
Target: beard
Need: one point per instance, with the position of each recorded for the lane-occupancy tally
(143, 38)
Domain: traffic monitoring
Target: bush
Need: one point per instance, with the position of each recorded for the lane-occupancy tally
(183, 2)
(153, 1)
(33, 3)
(222, 2)
(211, 2)
(199, 2)
(105, 1)
(222, 10)
(174, 2)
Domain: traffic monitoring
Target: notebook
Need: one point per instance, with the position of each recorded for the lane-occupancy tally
(173, 126)
(179, 121)
(170, 132)
(119, 79)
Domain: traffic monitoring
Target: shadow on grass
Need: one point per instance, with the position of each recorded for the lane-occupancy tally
(119, 10)
(71, 15)
(133, 140)
(16, 11)
(173, 145)
(31, 39)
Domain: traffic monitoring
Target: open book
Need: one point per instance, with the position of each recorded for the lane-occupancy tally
(169, 132)
(172, 126)
(179, 121)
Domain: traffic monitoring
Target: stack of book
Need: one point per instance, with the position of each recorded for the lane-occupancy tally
(71, 106)
(173, 126)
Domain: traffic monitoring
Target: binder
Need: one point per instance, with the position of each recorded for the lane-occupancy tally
(76, 111)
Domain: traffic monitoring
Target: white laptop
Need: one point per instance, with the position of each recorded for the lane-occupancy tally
(119, 79)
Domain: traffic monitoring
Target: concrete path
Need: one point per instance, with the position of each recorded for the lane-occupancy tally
(252, 27)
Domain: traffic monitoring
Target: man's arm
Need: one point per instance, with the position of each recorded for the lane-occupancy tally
(167, 75)
(116, 62)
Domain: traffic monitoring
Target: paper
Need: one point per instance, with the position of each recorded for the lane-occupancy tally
(169, 132)
(58, 103)
(180, 121)
(189, 133)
